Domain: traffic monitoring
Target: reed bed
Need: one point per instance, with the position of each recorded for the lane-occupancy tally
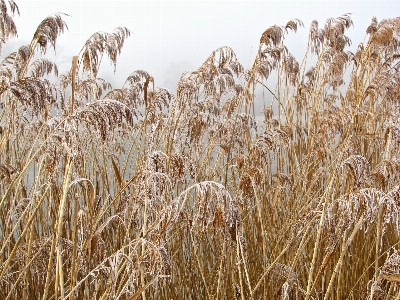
(137, 192)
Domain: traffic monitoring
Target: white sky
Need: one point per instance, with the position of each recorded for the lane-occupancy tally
(170, 37)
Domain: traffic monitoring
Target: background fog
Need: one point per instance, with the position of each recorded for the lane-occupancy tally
(170, 37)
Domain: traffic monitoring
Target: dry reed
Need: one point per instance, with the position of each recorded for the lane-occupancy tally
(136, 192)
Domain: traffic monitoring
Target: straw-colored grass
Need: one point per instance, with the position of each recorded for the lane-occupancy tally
(140, 193)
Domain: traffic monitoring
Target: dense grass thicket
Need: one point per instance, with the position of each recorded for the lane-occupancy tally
(139, 193)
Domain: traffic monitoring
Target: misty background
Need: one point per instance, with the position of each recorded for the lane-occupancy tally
(171, 37)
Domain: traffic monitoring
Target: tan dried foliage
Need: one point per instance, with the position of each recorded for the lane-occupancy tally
(230, 187)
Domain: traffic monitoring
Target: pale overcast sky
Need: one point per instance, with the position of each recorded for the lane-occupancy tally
(170, 37)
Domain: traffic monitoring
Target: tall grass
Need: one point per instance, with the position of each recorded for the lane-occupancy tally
(136, 192)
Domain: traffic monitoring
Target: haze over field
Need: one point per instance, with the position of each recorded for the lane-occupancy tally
(170, 37)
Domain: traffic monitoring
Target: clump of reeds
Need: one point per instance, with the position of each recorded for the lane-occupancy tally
(135, 192)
